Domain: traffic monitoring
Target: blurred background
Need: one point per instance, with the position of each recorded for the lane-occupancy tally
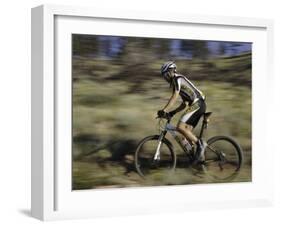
(118, 88)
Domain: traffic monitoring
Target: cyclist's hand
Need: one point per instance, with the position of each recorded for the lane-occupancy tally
(163, 114)
(171, 114)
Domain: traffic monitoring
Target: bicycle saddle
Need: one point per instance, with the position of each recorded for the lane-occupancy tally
(207, 115)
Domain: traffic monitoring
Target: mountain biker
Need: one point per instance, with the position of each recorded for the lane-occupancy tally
(193, 102)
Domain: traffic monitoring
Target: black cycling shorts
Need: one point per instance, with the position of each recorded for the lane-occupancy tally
(193, 113)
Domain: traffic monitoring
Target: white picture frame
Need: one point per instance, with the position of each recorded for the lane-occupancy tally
(52, 197)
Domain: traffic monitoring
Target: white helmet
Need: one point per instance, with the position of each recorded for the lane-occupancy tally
(166, 67)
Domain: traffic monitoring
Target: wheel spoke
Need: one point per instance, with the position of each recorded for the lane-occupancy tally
(212, 149)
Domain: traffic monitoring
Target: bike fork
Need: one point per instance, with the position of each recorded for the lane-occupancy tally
(157, 153)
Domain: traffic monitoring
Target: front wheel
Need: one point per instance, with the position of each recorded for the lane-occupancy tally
(149, 161)
(223, 158)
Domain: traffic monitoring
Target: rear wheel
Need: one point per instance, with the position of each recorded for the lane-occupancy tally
(147, 163)
(223, 158)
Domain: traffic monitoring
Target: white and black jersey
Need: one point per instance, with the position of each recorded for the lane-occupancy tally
(188, 92)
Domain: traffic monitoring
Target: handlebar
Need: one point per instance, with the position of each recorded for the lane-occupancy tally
(162, 124)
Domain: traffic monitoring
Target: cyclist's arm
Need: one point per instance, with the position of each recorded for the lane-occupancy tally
(172, 101)
(179, 108)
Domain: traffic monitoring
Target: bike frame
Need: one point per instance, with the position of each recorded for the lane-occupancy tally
(169, 128)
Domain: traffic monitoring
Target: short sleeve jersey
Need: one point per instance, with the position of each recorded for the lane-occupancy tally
(188, 92)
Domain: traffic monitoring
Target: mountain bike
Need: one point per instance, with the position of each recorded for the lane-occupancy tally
(156, 154)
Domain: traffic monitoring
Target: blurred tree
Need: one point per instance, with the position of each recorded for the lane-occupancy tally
(129, 51)
(234, 46)
(150, 47)
(221, 49)
(75, 44)
(164, 48)
(195, 48)
(187, 47)
(104, 48)
(147, 43)
(137, 50)
(85, 44)
(200, 49)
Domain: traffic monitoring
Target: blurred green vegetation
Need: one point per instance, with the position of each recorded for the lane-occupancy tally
(115, 102)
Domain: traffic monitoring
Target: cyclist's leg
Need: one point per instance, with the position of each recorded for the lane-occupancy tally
(189, 120)
(186, 130)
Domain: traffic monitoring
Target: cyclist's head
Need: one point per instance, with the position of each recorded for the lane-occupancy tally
(168, 70)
